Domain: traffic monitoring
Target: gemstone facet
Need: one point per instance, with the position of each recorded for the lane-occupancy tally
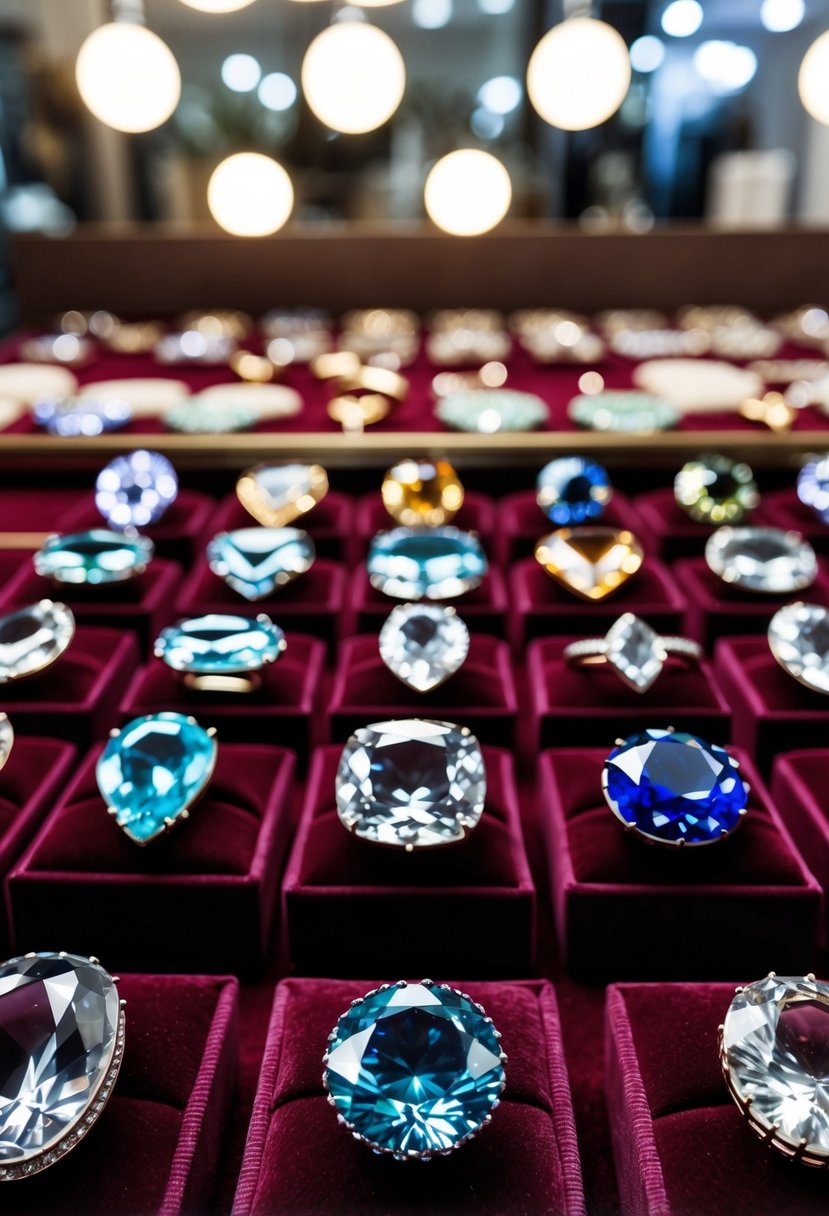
(422, 493)
(572, 490)
(6, 742)
(590, 562)
(413, 784)
(766, 560)
(256, 562)
(277, 494)
(153, 770)
(33, 638)
(220, 644)
(94, 557)
(426, 563)
(799, 640)
(135, 490)
(414, 1069)
(716, 490)
(423, 644)
(813, 486)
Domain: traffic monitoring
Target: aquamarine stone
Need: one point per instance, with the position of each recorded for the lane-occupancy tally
(426, 563)
(256, 562)
(151, 772)
(220, 644)
(94, 557)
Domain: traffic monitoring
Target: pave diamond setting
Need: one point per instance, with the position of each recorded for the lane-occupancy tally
(423, 644)
(93, 558)
(799, 640)
(135, 491)
(33, 638)
(592, 562)
(426, 563)
(256, 562)
(769, 561)
(277, 494)
(573, 490)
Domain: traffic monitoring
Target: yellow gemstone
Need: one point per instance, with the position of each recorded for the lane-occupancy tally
(590, 562)
(422, 493)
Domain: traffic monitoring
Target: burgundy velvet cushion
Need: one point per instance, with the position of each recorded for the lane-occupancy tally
(521, 523)
(477, 514)
(783, 509)
(299, 1160)
(178, 535)
(799, 789)
(36, 510)
(483, 608)
(330, 524)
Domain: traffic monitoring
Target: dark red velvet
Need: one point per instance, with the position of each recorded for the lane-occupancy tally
(330, 524)
(155, 1148)
(484, 608)
(693, 913)
(783, 509)
(376, 896)
(476, 515)
(672, 531)
(798, 786)
(681, 1145)
(521, 522)
(299, 1160)
(201, 898)
(180, 535)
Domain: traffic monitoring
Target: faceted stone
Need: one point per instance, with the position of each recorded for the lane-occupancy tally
(767, 560)
(414, 1069)
(775, 1056)
(135, 490)
(491, 410)
(674, 788)
(152, 771)
(590, 562)
(414, 784)
(716, 490)
(32, 638)
(93, 557)
(423, 644)
(6, 743)
(62, 1033)
(422, 493)
(81, 417)
(799, 640)
(277, 494)
(256, 562)
(635, 651)
(426, 563)
(623, 411)
(220, 644)
(573, 490)
(813, 486)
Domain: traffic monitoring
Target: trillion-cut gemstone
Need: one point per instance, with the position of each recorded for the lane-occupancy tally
(813, 486)
(674, 788)
(414, 784)
(6, 742)
(135, 490)
(426, 563)
(766, 560)
(590, 562)
(93, 557)
(152, 772)
(62, 1036)
(799, 640)
(414, 1069)
(635, 651)
(256, 562)
(775, 1056)
(716, 490)
(220, 644)
(423, 644)
(573, 490)
(422, 493)
(277, 494)
(32, 638)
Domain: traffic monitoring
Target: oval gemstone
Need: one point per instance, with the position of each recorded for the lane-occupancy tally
(813, 486)
(256, 562)
(767, 560)
(426, 563)
(423, 644)
(573, 490)
(219, 644)
(716, 490)
(277, 494)
(490, 410)
(134, 491)
(62, 1032)
(414, 784)
(422, 493)
(81, 417)
(414, 1069)
(799, 640)
(151, 772)
(32, 638)
(674, 788)
(623, 411)
(93, 557)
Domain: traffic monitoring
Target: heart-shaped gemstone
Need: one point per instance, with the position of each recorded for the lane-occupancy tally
(423, 644)
(277, 494)
(256, 562)
(590, 562)
(32, 638)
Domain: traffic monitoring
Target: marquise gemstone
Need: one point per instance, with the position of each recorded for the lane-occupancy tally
(766, 560)
(32, 638)
(277, 494)
(135, 491)
(426, 563)
(423, 644)
(94, 557)
(573, 490)
(220, 644)
(256, 562)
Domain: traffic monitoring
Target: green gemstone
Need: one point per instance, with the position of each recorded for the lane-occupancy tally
(716, 490)
(490, 410)
(623, 411)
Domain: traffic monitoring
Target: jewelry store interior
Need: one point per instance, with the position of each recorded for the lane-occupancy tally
(414, 607)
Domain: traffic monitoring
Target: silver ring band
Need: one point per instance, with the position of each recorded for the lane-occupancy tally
(635, 652)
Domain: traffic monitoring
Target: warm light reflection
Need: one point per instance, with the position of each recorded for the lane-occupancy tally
(579, 74)
(250, 195)
(353, 77)
(128, 77)
(813, 79)
(467, 192)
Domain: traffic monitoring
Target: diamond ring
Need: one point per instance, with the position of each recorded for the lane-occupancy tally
(767, 561)
(221, 652)
(33, 638)
(277, 494)
(799, 640)
(634, 651)
(423, 644)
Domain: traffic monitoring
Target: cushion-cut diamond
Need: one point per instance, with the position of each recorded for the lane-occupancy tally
(426, 563)
(258, 561)
(423, 644)
(767, 560)
(590, 562)
(799, 640)
(220, 644)
(135, 490)
(93, 557)
(573, 490)
(32, 638)
(277, 494)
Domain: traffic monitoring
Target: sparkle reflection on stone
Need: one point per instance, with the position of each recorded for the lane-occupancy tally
(766, 560)
(423, 644)
(94, 557)
(135, 490)
(635, 651)
(716, 490)
(426, 563)
(799, 640)
(220, 644)
(256, 562)
(32, 638)
(813, 486)
(573, 490)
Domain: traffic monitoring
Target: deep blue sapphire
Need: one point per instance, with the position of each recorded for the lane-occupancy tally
(573, 490)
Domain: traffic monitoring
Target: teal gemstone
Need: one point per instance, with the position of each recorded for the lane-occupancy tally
(220, 644)
(94, 557)
(256, 562)
(151, 772)
(426, 563)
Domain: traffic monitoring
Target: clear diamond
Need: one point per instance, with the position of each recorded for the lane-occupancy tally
(768, 560)
(635, 651)
(135, 490)
(258, 561)
(277, 494)
(32, 638)
(93, 557)
(813, 486)
(423, 644)
(799, 640)
(6, 740)
(426, 563)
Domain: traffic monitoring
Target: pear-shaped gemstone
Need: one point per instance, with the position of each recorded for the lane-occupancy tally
(220, 644)
(277, 494)
(32, 638)
(426, 563)
(94, 557)
(423, 644)
(256, 562)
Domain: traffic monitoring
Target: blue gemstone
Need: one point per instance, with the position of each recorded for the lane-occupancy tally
(414, 1069)
(220, 644)
(76, 417)
(93, 557)
(152, 772)
(674, 788)
(813, 486)
(426, 563)
(573, 490)
(258, 561)
(135, 490)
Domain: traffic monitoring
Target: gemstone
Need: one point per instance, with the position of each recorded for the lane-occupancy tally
(674, 788)
(716, 490)
(195, 346)
(422, 493)
(774, 1052)
(635, 651)
(277, 494)
(73, 417)
(6, 744)
(210, 416)
(799, 640)
(813, 486)
(135, 490)
(426, 563)
(573, 490)
(62, 1032)
(623, 411)
(152, 771)
(423, 644)
(590, 562)
(32, 638)
(490, 410)
(414, 1069)
(767, 560)
(93, 557)
(256, 562)
(220, 644)
(413, 784)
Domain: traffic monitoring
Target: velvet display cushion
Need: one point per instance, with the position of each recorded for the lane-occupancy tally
(300, 1162)
(521, 523)
(484, 608)
(179, 534)
(330, 524)
(798, 786)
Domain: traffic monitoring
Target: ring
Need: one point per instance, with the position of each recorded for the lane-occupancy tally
(356, 413)
(422, 493)
(414, 1070)
(93, 558)
(591, 562)
(33, 638)
(673, 788)
(70, 350)
(716, 490)
(573, 490)
(334, 364)
(798, 636)
(369, 379)
(770, 1047)
(426, 563)
(256, 562)
(635, 652)
(423, 644)
(136, 490)
(412, 784)
(61, 1056)
(768, 561)
(221, 653)
(277, 494)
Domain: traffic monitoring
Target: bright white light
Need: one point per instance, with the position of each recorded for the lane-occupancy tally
(779, 16)
(682, 18)
(813, 79)
(353, 77)
(128, 77)
(494, 8)
(241, 73)
(578, 74)
(250, 195)
(725, 66)
(467, 192)
(217, 6)
(647, 53)
(485, 124)
(501, 95)
(277, 91)
(431, 14)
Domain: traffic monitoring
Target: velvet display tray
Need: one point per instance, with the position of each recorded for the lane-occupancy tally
(521, 523)
(179, 535)
(798, 786)
(330, 524)
(299, 1160)
(200, 899)
(673, 533)
(681, 1145)
(484, 608)
(477, 514)
(628, 910)
(350, 905)
(35, 513)
(156, 1147)
(783, 509)
(481, 695)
